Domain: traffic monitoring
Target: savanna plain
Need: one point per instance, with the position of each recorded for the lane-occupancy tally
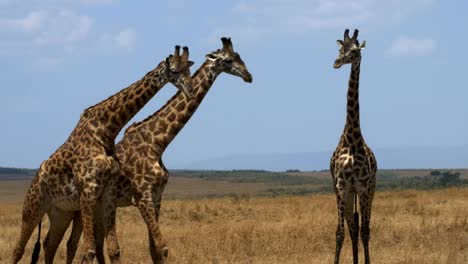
(220, 221)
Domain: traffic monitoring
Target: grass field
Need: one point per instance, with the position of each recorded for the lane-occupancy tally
(407, 226)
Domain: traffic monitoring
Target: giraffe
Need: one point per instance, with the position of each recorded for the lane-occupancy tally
(353, 165)
(143, 176)
(75, 175)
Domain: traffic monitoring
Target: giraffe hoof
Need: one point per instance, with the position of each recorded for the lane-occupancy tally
(88, 257)
(165, 252)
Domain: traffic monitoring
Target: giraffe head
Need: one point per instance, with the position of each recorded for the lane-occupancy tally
(229, 61)
(177, 71)
(350, 49)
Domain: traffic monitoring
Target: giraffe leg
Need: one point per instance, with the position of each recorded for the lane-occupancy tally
(340, 227)
(152, 247)
(353, 226)
(59, 222)
(99, 235)
(344, 199)
(34, 208)
(100, 229)
(88, 249)
(365, 201)
(99, 238)
(93, 179)
(88, 203)
(157, 247)
(74, 239)
(108, 215)
(113, 248)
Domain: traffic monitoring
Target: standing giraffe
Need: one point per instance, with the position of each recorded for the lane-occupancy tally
(75, 175)
(353, 165)
(143, 175)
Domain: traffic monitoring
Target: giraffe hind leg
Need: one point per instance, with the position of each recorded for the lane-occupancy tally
(353, 227)
(59, 222)
(99, 238)
(107, 213)
(74, 239)
(34, 208)
(345, 198)
(365, 201)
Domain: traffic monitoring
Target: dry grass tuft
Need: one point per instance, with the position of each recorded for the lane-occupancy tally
(407, 227)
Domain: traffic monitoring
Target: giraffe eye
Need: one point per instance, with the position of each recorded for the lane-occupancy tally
(228, 60)
(173, 71)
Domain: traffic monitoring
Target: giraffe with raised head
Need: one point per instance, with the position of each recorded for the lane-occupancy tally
(353, 165)
(76, 174)
(143, 175)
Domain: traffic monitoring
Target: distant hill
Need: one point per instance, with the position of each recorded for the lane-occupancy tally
(397, 158)
(16, 173)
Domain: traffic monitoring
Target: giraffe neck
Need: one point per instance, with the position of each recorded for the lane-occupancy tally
(352, 118)
(108, 117)
(161, 127)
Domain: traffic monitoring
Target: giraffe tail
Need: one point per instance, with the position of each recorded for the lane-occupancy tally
(356, 214)
(37, 246)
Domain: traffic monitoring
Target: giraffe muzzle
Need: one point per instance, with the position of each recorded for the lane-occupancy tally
(337, 64)
(248, 78)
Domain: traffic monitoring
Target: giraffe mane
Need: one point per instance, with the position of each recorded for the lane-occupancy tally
(118, 93)
(138, 123)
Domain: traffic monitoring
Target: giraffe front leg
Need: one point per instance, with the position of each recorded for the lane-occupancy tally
(152, 247)
(88, 202)
(344, 200)
(59, 222)
(93, 178)
(365, 201)
(158, 249)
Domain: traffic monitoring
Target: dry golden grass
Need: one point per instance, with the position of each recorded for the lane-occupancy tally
(407, 227)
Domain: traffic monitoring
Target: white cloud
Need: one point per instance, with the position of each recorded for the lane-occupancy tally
(55, 3)
(48, 28)
(30, 23)
(256, 19)
(96, 2)
(65, 27)
(125, 39)
(47, 31)
(33, 21)
(6, 2)
(404, 46)
(177, 4)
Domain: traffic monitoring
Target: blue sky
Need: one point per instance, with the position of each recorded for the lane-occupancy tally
(61, 56)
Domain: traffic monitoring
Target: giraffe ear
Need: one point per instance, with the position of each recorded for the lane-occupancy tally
(339, 42)
(211, 57)
(190, 63)
(363, 45)
(168, 59)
